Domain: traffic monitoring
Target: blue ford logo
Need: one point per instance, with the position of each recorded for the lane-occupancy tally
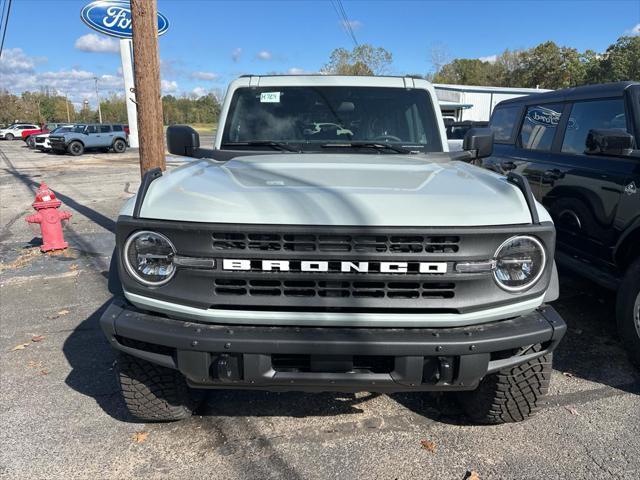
(113, 17)
(543, 116)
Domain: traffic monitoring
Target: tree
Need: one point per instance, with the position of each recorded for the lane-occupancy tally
(362, 60)
(621, 61)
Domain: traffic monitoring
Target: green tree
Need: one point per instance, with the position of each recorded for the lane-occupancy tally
(621, 61)
(364, 59)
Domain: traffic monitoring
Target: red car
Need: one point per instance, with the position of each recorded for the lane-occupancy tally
(29, 136)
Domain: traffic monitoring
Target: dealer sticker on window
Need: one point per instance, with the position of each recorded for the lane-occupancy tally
(270, 97)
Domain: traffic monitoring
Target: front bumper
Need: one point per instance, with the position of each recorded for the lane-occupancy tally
(330, 359)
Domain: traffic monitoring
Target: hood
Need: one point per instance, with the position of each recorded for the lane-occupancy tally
(335, 189)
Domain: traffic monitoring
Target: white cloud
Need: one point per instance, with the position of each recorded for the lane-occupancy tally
(206, 76)
(296, 71)
(489, 58)
(264, 55)
(199, 92)
(92, 42)
(633, 30)
(14, 61)
(168, 86)
(235, 54)
(354, 24)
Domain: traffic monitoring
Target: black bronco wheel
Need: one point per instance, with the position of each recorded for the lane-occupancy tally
(119, 146)
(510, 395)
(628, 311)
(153, 393)
(75, 148)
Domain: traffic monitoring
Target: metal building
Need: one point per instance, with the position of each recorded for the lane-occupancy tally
(476, 103)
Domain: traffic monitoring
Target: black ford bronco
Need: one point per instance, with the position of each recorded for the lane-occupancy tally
(579, 148)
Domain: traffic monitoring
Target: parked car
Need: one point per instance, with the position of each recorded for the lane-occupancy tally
(15, 130)
(330, 242)
(28, 135)
(90, 137)
(580, 150)
(41, 141)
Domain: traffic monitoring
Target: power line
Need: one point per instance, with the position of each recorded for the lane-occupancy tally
(344, 20)
(6, 23)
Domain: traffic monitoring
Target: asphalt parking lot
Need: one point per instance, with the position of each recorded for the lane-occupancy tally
(62, 416)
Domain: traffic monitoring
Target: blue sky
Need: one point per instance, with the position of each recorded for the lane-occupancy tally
(211, 42)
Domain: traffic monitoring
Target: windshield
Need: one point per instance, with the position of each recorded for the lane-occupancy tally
(79, 129)
(63, 129)
(309, 118)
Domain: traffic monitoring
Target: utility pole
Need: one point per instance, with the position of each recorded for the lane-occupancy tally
(98, 99)
(144, 23)
(66, 102)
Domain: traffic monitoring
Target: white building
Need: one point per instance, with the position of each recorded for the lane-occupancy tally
(476, 103)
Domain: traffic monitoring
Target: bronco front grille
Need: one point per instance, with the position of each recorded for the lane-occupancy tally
(327, 242)
(395, 289)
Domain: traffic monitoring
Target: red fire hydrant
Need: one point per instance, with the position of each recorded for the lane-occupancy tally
(49, 218)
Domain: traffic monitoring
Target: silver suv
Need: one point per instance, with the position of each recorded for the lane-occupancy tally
(105, 137)
(329, 241)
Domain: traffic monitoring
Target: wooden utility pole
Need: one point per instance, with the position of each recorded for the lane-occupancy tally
(146, 63)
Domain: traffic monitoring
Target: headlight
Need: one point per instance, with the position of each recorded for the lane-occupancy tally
(148, 257)
(520, 262)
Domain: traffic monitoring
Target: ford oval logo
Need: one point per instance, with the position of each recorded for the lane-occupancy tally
(113, 17)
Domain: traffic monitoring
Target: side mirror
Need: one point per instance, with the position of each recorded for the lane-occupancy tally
(609, 142)
(182, 140)
(479, 141)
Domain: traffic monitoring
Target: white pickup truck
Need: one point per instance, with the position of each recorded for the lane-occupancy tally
(328, 241)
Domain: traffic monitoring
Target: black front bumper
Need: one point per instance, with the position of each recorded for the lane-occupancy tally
(330, 359)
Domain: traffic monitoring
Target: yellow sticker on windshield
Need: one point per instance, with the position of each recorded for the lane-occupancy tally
(270, 97)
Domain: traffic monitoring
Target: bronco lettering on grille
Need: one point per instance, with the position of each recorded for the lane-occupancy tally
(323, 266)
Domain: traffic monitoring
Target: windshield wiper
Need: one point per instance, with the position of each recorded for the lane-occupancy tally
(374, 145)
(263, 143)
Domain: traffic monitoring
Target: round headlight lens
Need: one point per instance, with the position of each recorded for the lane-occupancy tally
(520, 262)
(148, 257)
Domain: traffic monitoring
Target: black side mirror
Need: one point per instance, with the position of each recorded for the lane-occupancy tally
(479, 141)
(609, 142)
(182, 140)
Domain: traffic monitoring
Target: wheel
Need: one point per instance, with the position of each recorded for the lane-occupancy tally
(119, 146)
(510, 395)
(9, 136)
(75, 148)
(628, 311)
(154, 393)
(31, 142)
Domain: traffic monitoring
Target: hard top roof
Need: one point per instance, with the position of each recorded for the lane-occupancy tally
(586, 92)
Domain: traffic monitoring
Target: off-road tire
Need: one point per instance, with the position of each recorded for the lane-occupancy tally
(31, 142)
(153, 393)
(628, 311)
(9, 136)
(75, 148)
(119, 146)
(510, 395)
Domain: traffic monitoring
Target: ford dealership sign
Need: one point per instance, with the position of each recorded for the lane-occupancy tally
(113, 17)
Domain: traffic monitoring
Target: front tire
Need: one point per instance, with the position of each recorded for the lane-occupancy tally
(510, 395)
(628, 312)
(119, 146)
(153, 393)
(9, 136)
(75, 148)
(31, 142)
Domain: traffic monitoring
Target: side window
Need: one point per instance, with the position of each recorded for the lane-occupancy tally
(606, 114)
(91, 129)
(117, 128)
(502, 122)
(105, 128)
(540, 125)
